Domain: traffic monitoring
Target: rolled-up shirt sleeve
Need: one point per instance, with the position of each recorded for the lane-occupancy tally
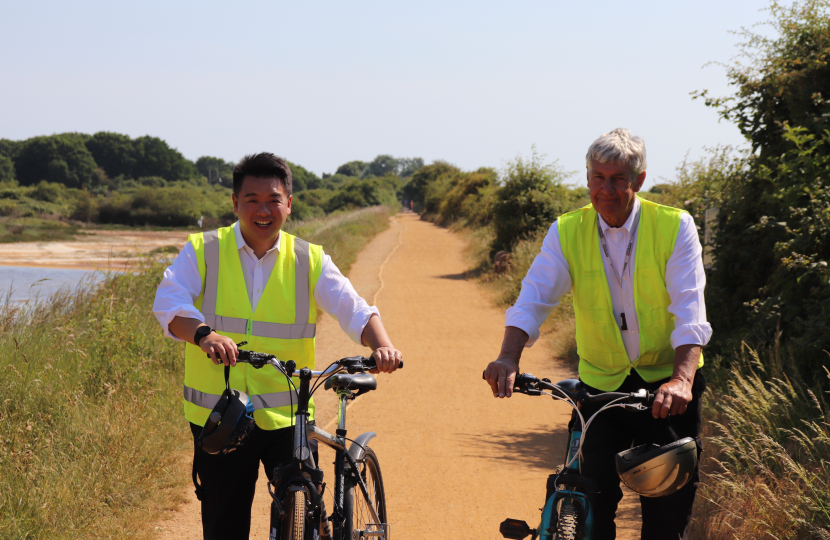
(335, 294)
(544, 285)
(180, 286)
(685, 282)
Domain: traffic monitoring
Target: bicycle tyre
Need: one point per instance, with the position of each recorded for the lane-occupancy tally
(293, 524)
(566, 525)
(355, 505)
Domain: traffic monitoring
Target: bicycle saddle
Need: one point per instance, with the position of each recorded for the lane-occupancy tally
(364, 382)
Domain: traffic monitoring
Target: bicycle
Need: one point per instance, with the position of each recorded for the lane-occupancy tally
(297, 509)
(568, 513)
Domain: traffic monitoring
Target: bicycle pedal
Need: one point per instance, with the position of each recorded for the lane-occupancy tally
(373, 530)
(516, 529)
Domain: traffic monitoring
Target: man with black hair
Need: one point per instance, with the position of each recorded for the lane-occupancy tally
(265, 275)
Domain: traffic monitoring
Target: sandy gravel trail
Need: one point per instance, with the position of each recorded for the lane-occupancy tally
(455, 461)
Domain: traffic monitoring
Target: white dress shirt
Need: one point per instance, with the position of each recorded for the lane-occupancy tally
(182, 285)
(549, 279)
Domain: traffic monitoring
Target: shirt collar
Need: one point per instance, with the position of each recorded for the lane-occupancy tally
(628, 223)
(240, 241)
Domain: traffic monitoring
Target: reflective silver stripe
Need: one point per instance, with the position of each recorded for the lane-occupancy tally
(302, 302)
(230, 324)
(211, 239)
(201, 399)
(283, 331)
(302, 329)
(275, 399)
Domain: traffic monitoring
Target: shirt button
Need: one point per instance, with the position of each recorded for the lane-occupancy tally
(257, 290)
(633, 331)
(627, 305)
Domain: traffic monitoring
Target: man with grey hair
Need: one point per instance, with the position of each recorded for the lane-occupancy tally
(636, 273)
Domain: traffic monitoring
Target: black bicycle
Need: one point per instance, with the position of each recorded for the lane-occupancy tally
(297, 510)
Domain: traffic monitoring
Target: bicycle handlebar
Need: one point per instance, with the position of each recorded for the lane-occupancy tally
(573, 389)
(352, 364)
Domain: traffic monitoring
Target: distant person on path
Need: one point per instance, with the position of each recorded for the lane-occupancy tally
(264, 275)
(640, 321)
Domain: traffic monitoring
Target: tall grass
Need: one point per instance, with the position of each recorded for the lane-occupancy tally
(92, 440)
(768, 436)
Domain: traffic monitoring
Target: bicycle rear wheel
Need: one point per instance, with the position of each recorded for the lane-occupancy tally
(566, 526)
(293, 524)
(355, 505)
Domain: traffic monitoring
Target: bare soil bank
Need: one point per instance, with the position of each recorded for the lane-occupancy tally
(95, 251)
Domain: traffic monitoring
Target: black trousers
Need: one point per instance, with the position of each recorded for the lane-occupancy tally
(229, 480)
(615, 430)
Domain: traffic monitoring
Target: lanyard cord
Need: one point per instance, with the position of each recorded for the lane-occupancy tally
(627, 251)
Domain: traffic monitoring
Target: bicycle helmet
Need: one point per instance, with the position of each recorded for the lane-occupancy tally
(657, 470)
(229, 424)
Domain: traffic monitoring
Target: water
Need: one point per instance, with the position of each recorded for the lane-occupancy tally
(30, 282)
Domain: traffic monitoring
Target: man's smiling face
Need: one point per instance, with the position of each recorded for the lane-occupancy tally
(262, 207)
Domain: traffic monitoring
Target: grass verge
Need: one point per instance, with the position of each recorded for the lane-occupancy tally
(558, 331)
(92, 437)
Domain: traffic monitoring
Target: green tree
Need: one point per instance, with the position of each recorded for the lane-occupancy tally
(7, 170)
(114, 153)
(352, 168)
(303, 178)
(56, 158)
(154, 157)
(362, 193)
(409, 166)
(211, 166)
(773, 236)
(783, 79)
(381, 166)
(416, 189)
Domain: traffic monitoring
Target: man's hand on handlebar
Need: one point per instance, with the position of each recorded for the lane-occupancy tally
(672, 398)
(221, 349)
(387, 359)
(500, 375)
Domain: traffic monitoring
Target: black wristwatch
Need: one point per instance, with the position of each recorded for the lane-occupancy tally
(201, 332)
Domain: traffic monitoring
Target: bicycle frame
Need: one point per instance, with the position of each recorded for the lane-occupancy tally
(303, 473)
(574, 489)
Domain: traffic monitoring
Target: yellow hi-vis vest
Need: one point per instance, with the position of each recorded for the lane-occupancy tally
(284, 324)
(603, 360)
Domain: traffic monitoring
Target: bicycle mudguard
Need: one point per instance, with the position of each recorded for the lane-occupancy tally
(582, 483)
(356, 450)
(291, 476)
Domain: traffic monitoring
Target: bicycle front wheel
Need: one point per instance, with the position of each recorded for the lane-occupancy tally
(293, 524)
(356, 506)
(566, 526)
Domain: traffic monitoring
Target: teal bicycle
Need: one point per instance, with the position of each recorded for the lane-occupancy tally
(568, 513)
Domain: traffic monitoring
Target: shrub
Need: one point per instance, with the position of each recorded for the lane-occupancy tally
(47, 191)
(531, 198)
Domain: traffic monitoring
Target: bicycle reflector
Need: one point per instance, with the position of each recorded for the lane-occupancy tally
(229, 423)
(655, 470)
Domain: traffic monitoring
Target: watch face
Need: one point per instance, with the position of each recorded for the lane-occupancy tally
(201, 332)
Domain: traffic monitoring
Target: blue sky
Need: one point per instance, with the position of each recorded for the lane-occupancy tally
(323, 83)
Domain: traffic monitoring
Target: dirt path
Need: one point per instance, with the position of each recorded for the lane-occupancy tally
(455, 461)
